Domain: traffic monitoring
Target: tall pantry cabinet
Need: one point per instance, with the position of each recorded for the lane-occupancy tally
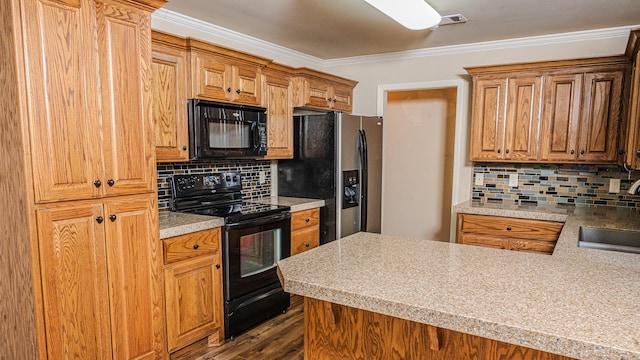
(81, 265)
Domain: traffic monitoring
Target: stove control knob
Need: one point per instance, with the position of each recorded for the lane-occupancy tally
(235, 178)
(228, 178)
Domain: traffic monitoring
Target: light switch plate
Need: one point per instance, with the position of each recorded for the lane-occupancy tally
(263, 177)
(614, 186)
(513, 180)
(479, 179)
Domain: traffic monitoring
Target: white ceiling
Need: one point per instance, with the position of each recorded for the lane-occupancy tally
(330, 29)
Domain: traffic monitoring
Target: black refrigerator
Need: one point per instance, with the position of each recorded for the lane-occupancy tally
(337, 158)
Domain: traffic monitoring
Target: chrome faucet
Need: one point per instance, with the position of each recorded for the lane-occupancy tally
(635, 188)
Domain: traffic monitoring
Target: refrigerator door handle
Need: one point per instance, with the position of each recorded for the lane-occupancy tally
(364, 180)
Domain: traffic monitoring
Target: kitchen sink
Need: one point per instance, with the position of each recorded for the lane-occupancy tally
(609, 239)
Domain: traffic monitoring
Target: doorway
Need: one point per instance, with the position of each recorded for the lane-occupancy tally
(419, 149)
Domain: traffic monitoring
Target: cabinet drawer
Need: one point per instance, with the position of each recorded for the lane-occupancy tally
(513, 228)
(483, 240)
(304, 239)
(541, 247)
(302, 219)
(191, 245)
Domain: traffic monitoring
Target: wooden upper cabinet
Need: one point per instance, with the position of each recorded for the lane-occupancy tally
(211, 79)
(505, 118)
(222, 74)
(124, 50)
(561, 120)
(522, 124)
(134, 263)
(557, 111)
(487, 119)
(246, 84)
(64, 117)
(342, 98)
(277, 98)
(600, 125)
(582, 117)
(73, 156)
(314, 89)
(170, 97)
(632, 149)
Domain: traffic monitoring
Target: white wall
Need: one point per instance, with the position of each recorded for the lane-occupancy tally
(419, 133)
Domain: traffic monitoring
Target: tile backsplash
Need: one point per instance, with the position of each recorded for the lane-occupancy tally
(249, 170)
(553, 184)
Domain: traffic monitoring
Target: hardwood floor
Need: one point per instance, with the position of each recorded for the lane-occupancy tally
(280, 338)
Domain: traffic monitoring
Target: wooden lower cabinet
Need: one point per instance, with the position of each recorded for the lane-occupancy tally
(333, 331)
(193, 289)
(101, 279)
(508, 233)
(305, 230)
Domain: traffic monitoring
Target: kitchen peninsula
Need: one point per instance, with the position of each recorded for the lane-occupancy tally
(434, 300)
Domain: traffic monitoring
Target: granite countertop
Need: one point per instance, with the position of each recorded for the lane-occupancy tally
(296, 204)
(175, 224)
(581, 303)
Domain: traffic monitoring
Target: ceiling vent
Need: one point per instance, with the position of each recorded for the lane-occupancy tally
(453, 19)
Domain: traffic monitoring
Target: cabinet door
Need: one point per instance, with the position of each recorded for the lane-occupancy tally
(193, 290)
(212, 79)
(316, 94)
(63, 114)
(135, 279)
(487, 119)
(341, 98)
(305, 239)
(169, 74)
(74, 282)
(523, 118)
(124, 50)
(277, 100)
(561, 116)
(601, 100)
(633, 128)
(246, 85)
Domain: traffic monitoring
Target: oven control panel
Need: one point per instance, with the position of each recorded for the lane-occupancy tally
(195, 184)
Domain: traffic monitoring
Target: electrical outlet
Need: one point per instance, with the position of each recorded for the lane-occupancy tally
(479, 179)
(513, 180)
(614, 186)
(263, 177)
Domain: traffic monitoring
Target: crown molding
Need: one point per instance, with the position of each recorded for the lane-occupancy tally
(608, 33)
(189, 22)
(215, 30)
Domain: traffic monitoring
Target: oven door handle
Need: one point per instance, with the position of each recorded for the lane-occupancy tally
(259, 221)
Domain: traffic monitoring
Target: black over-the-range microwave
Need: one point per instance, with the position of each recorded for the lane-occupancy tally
(219, 130)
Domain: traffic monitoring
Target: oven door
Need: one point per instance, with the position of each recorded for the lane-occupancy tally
(252, 250)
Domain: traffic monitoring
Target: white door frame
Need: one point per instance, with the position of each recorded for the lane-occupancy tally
(462, 169)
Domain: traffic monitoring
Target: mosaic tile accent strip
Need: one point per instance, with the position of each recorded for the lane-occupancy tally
(553, 184)
(249, 170)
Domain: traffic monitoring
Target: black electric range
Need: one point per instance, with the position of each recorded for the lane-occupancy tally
(218, 194)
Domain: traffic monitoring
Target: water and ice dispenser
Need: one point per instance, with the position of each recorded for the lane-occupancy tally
(351, 193)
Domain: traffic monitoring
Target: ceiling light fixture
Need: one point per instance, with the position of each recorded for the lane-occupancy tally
(412, 14)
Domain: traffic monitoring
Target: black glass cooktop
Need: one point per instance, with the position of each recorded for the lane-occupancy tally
(240, 211)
